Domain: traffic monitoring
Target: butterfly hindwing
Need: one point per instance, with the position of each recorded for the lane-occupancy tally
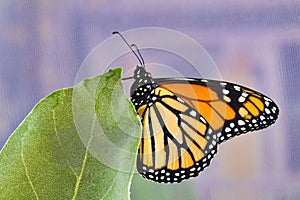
(177, 142)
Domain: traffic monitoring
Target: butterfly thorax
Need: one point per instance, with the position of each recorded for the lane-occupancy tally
(143, 87)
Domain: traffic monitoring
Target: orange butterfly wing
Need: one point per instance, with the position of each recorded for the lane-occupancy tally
(176, 142)
(229, 108)
(188, 117)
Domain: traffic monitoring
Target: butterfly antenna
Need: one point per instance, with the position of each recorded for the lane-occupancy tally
(140, 59)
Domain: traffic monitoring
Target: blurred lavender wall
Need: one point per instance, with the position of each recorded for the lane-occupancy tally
(42, 44)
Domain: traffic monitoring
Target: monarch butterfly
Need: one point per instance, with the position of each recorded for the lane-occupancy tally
(185, 119)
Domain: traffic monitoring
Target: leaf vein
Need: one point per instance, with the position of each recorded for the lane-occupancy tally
(110, 188)
(60, 144)
(83, 163)
(26, 171)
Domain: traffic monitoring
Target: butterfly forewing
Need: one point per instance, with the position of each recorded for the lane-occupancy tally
(230, 109)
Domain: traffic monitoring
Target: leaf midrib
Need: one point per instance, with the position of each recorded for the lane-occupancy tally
(26, 170)
(78, 180)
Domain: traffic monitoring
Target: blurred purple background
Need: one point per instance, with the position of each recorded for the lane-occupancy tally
(43, 43)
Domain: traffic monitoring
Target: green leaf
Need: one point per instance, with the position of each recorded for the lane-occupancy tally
(77, 143)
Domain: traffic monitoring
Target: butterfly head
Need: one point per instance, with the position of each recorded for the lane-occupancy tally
(143, 83)
(141, 73)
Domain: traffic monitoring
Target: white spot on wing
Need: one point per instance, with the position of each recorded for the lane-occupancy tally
(225, 91)
(237, 88)
(241, 99)
(193, 113)
(241, 122)
(267, 99)
(227, 129)
(203, 120)
(209, 131)
(180, 100)
(267, 103)
(244, 94)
